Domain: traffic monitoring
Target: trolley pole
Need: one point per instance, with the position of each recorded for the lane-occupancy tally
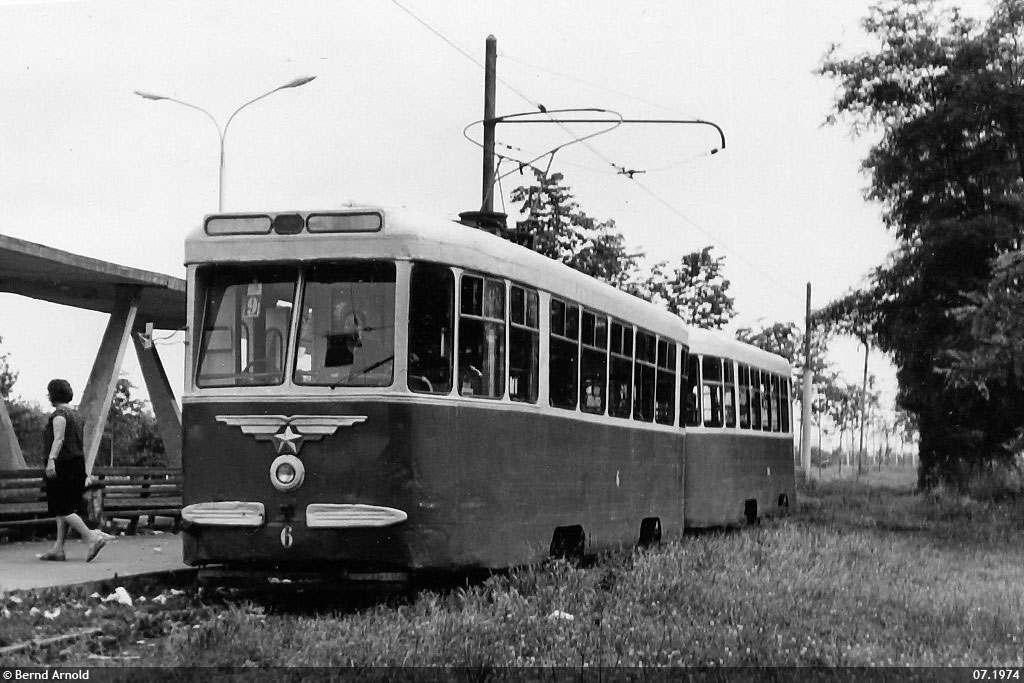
(805, 416)
(490, 78)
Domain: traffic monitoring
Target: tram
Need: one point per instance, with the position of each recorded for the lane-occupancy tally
(739, 438)
(371, 390)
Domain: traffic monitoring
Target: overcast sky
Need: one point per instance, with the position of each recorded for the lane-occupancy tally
(89, 167)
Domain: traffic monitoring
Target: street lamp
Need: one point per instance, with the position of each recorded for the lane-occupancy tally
(223, 131)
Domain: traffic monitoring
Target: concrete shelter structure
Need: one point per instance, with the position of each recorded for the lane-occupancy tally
(136, 300)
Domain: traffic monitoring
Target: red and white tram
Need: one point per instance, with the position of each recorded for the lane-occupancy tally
(372, 390)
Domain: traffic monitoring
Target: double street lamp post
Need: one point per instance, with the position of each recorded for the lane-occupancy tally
(223, 131)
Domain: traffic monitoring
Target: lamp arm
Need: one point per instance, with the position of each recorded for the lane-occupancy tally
(220, 132)
(253, 100)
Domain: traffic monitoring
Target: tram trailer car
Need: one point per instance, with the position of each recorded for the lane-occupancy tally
(371, 391)
(739, 440)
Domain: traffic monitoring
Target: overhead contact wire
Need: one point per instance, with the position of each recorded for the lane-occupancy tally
(593, 150)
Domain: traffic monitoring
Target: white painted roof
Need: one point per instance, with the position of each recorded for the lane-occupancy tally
(409, 235)
(714, 343)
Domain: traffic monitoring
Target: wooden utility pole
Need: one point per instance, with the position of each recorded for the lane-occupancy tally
(805, 416)
(490, 79)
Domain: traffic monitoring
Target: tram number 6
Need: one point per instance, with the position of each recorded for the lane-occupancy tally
(286, 537)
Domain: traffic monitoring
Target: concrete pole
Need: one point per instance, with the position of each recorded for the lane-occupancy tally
(490, 80)
(805, 416)
(863, 410)
(161, 396)
(99, 390)
(11, 457)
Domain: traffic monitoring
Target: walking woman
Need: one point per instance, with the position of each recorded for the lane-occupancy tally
(65, 472)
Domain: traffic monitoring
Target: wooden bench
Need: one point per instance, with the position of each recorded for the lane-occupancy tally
(134, 492)
(23, 500)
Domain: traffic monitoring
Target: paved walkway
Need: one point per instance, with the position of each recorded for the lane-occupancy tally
(123, 556)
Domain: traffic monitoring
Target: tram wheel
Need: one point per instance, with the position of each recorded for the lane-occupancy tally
(568, 542)
(750, 510)
(650, 532)
(783, 504)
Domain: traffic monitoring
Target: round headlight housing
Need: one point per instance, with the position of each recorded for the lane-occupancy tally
(286, 472)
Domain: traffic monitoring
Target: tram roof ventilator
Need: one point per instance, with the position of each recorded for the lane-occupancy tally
(495, 222)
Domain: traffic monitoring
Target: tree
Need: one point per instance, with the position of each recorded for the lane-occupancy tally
(827, 390)
(29, 422)
(947, 94)
(8, 376)
(130, 436)
(996, 320)
(696, 290)
(553, 224)
(841, 404)
(905, 426)
(787, 340)
(557, 228)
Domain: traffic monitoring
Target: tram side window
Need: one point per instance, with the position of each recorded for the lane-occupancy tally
(524, 345)
(712, 391)
(347, 331)
(730, 392)
(690, 401)
(644, 376)
(784, 404)
(775, 403)
(766, 402)
(246, 319)
(593, 362)
(564, 351)
(665, 394)
(620, 385)
(431, 323)
(482, 337)
(744, 397)
(755, 398)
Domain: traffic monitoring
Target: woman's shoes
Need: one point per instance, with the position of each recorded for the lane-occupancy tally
(53, 556)
(96, 547)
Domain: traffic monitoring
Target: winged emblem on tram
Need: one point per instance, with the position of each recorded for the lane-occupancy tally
(289, 432)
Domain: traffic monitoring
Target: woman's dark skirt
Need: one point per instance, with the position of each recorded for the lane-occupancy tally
(64, 492)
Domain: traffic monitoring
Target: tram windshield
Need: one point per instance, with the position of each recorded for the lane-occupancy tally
(346, 335)
(245, 326)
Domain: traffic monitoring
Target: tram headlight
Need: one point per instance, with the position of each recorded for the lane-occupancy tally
(286, 472)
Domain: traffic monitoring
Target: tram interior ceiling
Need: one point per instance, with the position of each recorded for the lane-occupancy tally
(135, 300)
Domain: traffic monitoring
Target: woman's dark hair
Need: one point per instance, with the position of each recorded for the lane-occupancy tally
(60, 391)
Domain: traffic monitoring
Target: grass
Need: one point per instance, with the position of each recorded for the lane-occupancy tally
(866, 573)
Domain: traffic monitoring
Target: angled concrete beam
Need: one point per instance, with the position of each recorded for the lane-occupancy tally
(99, 390)
(168, 414)
(11, 457)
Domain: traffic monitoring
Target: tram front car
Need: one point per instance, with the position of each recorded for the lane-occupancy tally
(293, 456)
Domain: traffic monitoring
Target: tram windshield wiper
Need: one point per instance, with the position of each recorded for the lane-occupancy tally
(359, 373)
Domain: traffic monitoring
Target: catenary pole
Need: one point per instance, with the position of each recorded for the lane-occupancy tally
(805, 414)
(490, 79)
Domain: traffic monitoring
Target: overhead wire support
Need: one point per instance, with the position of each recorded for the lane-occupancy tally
(704, 122)
(611, 124)
(520, 117)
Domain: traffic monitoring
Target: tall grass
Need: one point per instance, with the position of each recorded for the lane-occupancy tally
(861, 576)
